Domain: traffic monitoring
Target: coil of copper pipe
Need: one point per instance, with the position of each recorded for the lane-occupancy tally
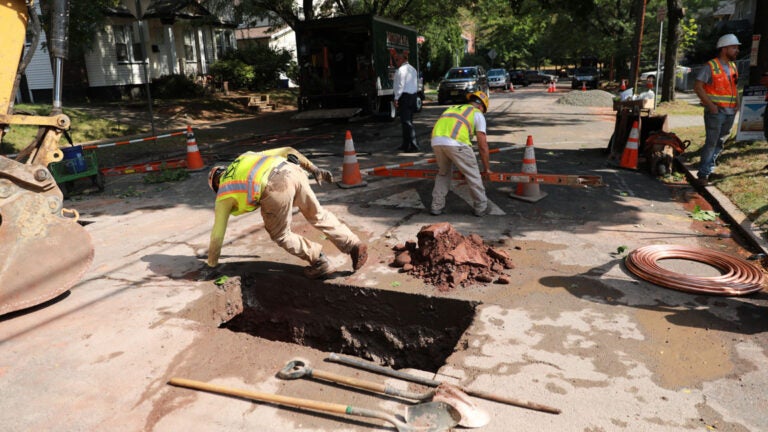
(738, 277)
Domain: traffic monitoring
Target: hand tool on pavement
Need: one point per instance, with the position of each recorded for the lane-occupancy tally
(471, 415)
(433, 383)
(428, 417)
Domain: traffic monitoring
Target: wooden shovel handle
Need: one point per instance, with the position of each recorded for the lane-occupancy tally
(264, 397)
(511, 401)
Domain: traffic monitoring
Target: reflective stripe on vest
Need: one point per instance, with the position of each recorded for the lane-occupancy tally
(457, 122)
(244, 180)
(723, 89)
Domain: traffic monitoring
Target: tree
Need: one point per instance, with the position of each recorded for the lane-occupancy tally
(675, 14)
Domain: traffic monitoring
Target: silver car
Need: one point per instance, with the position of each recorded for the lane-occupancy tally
(498, 78)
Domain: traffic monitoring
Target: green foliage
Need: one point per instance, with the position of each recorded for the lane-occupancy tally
(174, 86)
(703, 215)
(166, 175)
(254, 67)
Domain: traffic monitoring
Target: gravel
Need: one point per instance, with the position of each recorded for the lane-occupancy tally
(598, 98)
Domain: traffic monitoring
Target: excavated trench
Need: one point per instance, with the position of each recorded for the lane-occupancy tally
(391, 328)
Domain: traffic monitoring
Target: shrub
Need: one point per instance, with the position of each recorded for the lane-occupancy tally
(174, 86)
(254, 67)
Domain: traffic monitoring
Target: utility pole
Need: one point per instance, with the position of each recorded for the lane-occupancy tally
(637, 40)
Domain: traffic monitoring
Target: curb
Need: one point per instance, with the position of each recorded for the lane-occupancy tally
(728, 211)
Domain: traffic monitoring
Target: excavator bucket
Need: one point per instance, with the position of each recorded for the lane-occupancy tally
(43, 250)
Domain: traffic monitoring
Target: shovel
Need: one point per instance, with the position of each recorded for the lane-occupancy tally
(471, 415)
(433, 383)
(429, 417)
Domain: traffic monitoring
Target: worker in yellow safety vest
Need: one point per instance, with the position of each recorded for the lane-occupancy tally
(452, 145)
(274, 181)
(716, 87)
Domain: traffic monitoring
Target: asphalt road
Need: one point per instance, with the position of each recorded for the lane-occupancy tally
(575, 330)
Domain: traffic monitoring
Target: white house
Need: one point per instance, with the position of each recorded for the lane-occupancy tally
(178, 37)
(172, 37)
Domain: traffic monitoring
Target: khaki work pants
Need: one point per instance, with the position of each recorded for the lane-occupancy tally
(464, 159)
(288, 185)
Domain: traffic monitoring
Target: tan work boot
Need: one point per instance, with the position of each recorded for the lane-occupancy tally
(359, 255)
(320, 269)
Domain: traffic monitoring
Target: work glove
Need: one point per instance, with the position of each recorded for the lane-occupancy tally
(322, 175)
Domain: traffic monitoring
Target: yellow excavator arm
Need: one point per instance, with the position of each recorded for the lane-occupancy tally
(43, 250)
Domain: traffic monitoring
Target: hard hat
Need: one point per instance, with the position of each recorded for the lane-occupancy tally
(727, 40)
(481, 97)
(213, 177)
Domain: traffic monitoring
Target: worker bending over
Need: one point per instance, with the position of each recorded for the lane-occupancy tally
(275, 181)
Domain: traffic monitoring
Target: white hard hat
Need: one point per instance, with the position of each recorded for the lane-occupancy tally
(727, 40)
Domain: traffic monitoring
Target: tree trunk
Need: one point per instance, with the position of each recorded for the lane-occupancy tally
(674, 32)
(637, 40)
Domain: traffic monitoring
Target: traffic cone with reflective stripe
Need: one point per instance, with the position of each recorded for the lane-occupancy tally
(528, 191)
(584, 86)
(194, 159)
(511, 87)
(629, 156)
(549, 87)
(350, 176)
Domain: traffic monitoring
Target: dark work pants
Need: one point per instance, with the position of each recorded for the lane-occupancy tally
(407, 105)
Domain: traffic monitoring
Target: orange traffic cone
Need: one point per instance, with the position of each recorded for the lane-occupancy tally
(528, 191)
(350, 176)
(549, 88)
(623, 85)
(194, 159)
(511, 87)
(583, 86)
(629, 156)
(554, 86)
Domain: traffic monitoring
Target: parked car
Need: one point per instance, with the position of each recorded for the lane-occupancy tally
(517, 77)
(680, 71)
(498, 78)
(585, 76)
(459, 81)
(534, 76)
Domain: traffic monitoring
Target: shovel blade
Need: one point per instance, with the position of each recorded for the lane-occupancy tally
(431, 417)
(472, 416)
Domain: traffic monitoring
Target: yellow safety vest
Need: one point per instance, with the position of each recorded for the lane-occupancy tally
(244, 180)
(457, 122)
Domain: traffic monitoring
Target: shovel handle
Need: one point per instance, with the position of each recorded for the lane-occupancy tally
(291, 401)
(432, 383)
(511, 401)
(368, 385)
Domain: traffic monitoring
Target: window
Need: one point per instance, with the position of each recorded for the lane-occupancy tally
(189, 45)
(127, 44)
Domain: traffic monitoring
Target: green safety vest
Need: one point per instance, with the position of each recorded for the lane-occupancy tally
(245, 179)
(457, 122)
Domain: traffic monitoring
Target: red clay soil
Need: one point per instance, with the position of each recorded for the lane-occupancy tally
(446, 259)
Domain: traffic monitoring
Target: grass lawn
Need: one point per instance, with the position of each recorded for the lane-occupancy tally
(744, 165)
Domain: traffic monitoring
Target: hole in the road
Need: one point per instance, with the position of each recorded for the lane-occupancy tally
(391, 328)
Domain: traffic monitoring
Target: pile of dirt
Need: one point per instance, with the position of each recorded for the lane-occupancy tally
(597, 98)
(446, 259)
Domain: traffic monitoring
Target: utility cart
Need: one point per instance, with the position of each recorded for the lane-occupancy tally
(76, 165)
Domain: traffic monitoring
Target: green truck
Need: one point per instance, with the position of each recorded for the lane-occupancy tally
(347, 66)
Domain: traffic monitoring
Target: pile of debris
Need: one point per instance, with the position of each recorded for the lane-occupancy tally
(596, 98)
(446, 259)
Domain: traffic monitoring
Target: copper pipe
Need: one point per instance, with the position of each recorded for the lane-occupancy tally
(738, 277)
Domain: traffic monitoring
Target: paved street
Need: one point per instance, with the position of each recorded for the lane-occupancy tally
(574, 330)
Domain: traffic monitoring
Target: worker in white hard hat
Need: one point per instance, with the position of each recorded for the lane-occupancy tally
(717, 88)
(275, 181)
(452, 145)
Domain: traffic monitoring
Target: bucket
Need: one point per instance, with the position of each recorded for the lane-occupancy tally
(74, 161)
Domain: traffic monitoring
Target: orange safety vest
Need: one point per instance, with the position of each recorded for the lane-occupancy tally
(245, 179)
(722, 91)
